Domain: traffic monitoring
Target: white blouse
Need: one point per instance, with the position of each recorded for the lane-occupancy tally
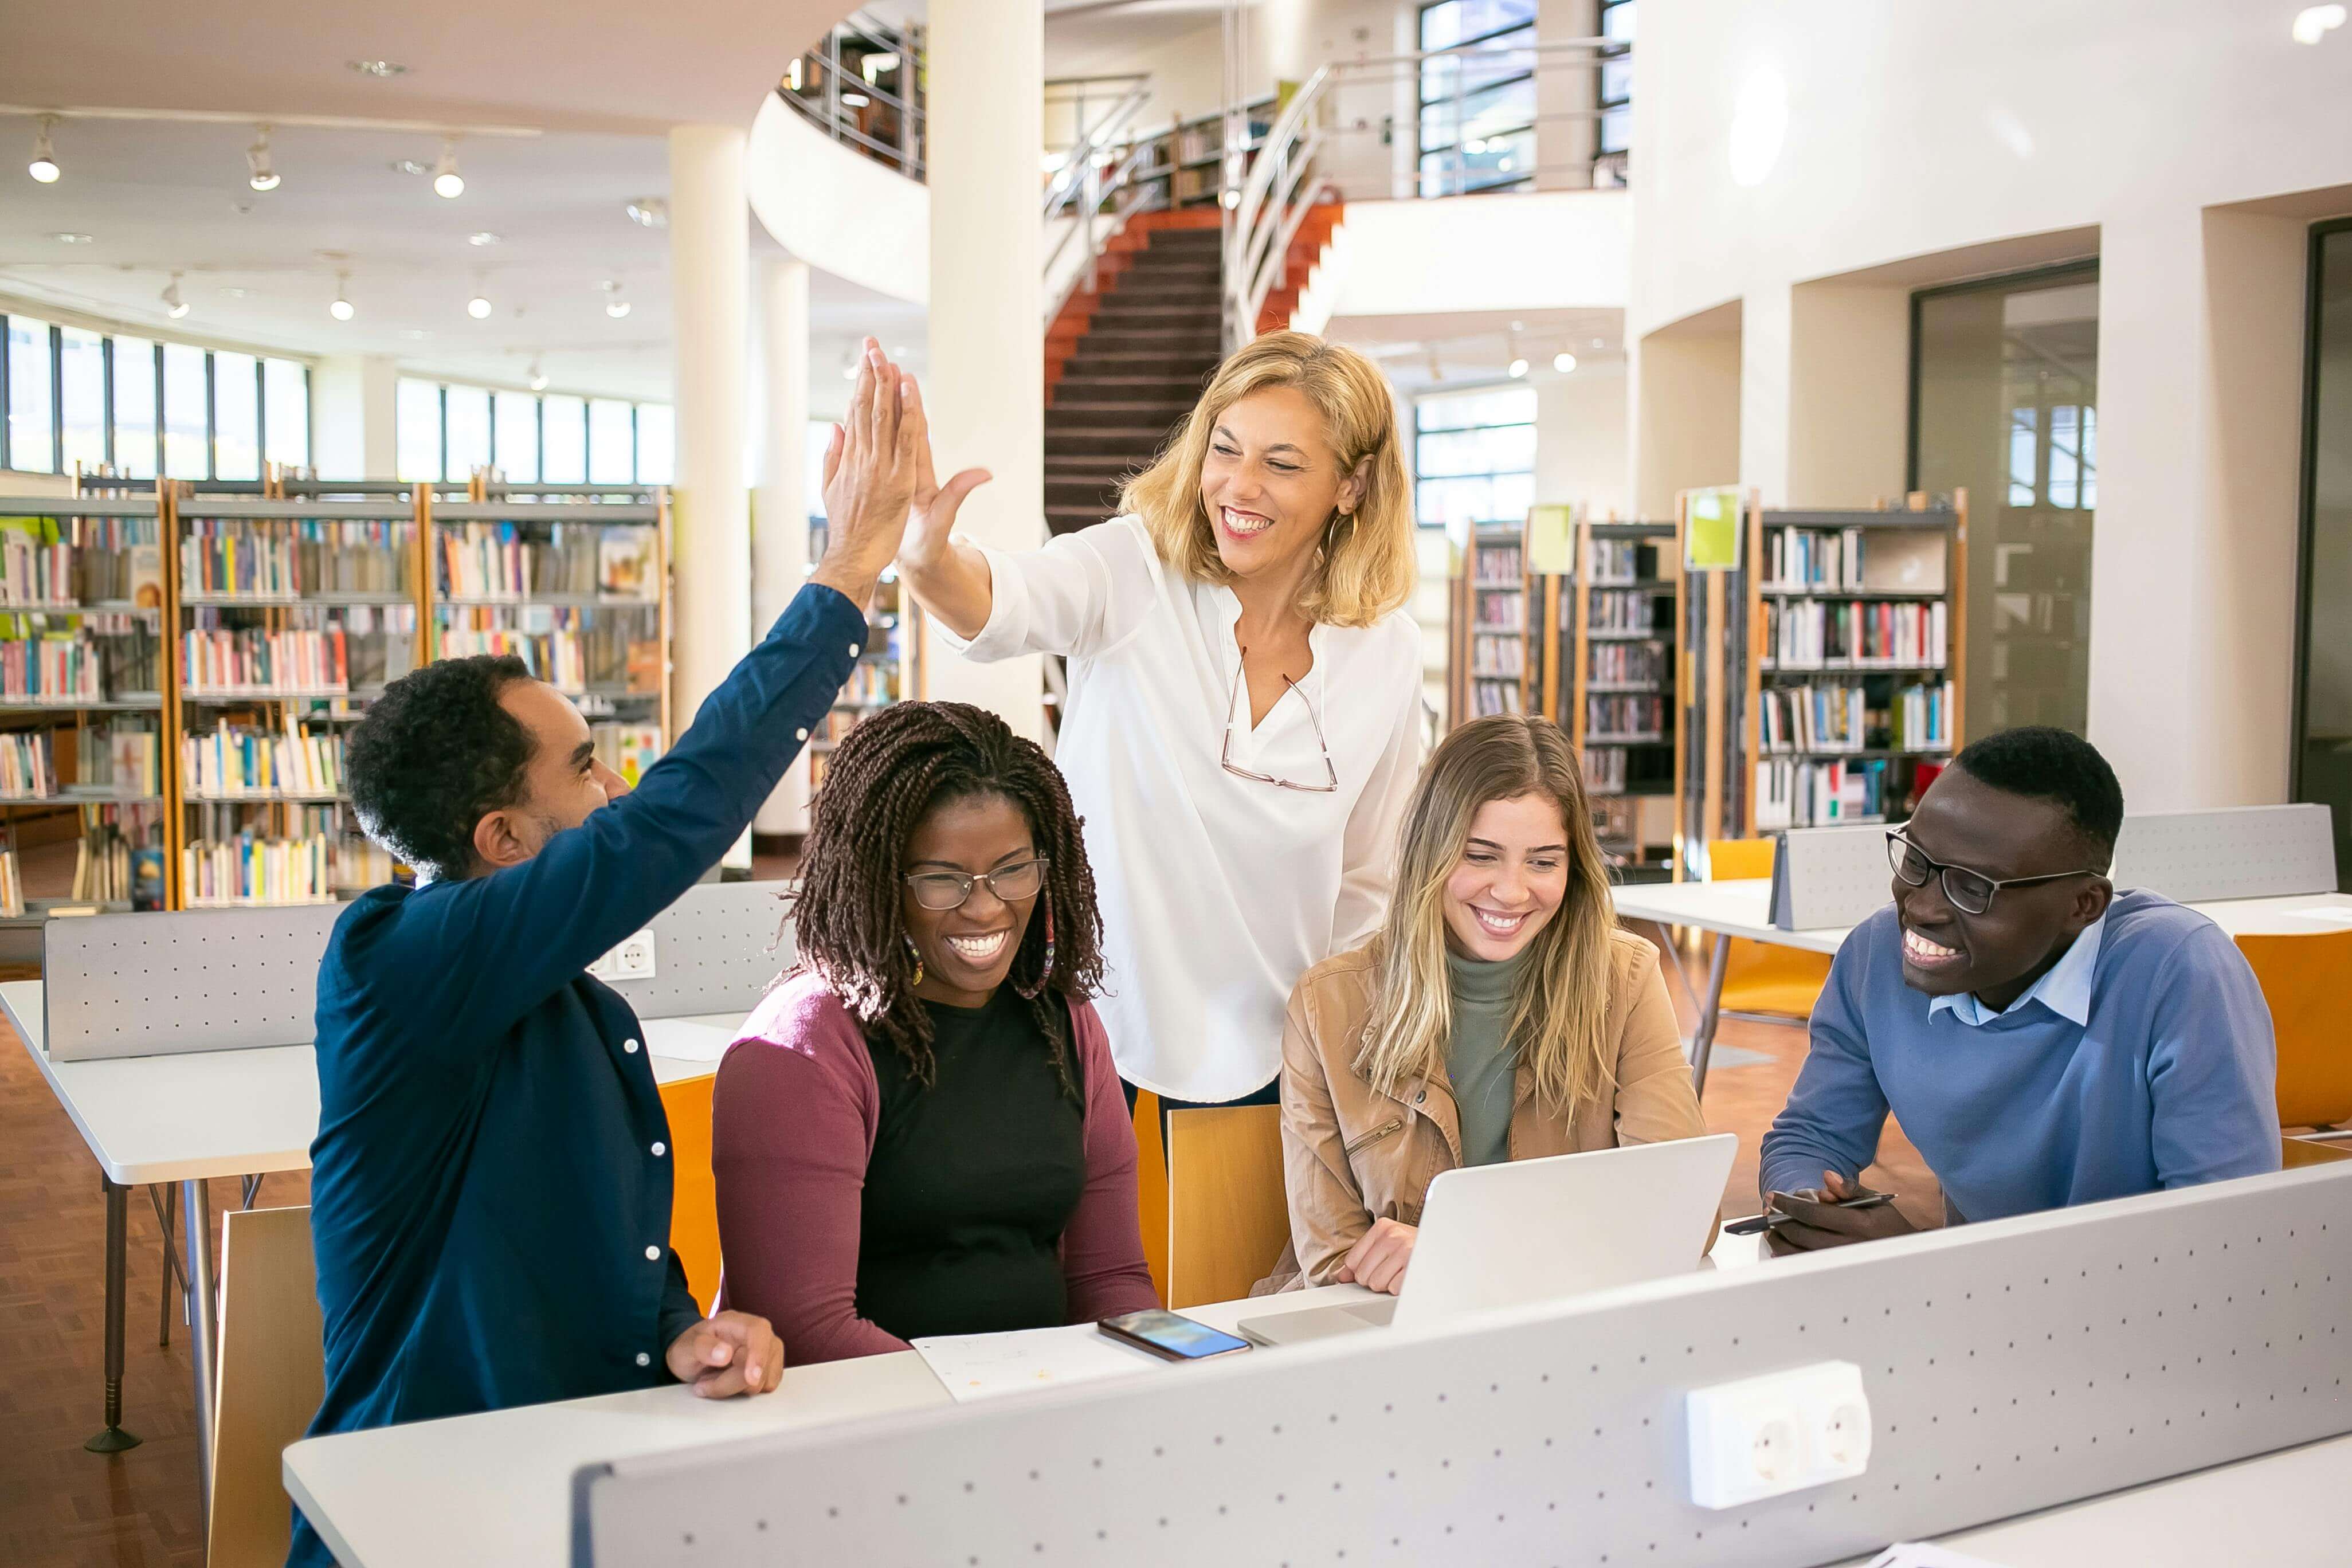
(1217, 891)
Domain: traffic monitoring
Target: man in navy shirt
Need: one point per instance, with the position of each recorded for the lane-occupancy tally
(2044, 1039)
(491, 1186)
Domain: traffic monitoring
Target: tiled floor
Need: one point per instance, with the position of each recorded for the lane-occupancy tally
(63, 1508)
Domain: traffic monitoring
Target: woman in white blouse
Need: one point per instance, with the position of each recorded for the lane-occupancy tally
(1243, 727)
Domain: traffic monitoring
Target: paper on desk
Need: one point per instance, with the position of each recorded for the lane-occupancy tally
(984, 1366)
(1920, 1554)
(682, 1040)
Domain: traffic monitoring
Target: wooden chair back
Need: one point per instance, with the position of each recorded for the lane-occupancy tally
(272, 1374)
(694, 1192)
(1228, 1219)
(2302, 977)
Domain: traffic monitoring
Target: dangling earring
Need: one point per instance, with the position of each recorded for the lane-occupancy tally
(1045, 974)
(916, 953)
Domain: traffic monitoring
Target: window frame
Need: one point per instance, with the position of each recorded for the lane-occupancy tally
(1424, 148)
(110, 432)
(2308, 495)
(1436, 393)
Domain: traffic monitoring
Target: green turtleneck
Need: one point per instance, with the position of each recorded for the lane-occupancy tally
(1477, 1060)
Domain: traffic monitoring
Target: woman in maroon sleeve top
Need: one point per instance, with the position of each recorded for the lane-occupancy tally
(919, 1130)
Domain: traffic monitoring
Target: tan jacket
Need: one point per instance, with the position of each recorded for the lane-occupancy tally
(1351, 1154)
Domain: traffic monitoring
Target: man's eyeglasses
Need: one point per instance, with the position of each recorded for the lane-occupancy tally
(1970, 892)
(950, 890)
(1233, 705)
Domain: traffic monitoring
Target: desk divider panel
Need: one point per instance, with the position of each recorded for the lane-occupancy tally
(1830, 877)
(2241, 852)
(716, 950)
(2009, 1367)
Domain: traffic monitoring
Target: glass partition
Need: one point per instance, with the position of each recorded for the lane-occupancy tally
(2322, 754)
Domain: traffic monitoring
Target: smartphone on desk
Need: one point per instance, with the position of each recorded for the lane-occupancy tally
(1169, 1336)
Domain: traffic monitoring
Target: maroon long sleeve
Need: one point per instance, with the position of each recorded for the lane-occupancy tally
(794, 1116)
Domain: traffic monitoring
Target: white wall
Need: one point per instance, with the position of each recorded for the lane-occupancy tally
(1538, 251)
(839, 210)
(1581, 440)
(1893, 146)
(351, 405)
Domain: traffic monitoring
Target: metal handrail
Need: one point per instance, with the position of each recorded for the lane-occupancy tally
(1093, 143)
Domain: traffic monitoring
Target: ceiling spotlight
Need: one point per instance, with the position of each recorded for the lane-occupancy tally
(2315, 22)
(174, 305)
(410, 166)
(855, 101)
(484, 238)
(1504, 165)
(383, 71)
(236, 293)
(44, 166)
(447, 183)
(538, 377)
(478, 307)
(614, 305)
(71, 239)
(649, 212)
(261, 176)
(1563, 363)
(341, 308)
(1518, 368)
(1231, 198)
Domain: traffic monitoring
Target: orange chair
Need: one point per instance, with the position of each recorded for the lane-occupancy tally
(694, 1193)
(1763, 982)
(2302, 977)
(1152, 1187)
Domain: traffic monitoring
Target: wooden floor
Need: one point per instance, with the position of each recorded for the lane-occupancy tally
(63, 1508)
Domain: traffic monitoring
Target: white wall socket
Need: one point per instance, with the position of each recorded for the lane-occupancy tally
(633, 960)
(1778, 1433)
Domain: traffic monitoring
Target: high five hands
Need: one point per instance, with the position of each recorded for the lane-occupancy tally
(879, 451)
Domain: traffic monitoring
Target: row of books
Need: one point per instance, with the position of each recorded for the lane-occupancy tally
(1608, 560)
(55, 666)
(1624, 717)
(12, 883)
(1498, 658)
(1495, 562)
(284, 559)
(630, 749)
(1500, 611)
(574, 648)
(80, 560)
(1625, 664)
(1619, 610)
(126, 759)
(221, 662)
(236, 759)
(501, 561)
(247, 869)
(109, 868)
(1856, 633)
(1494, 697)
(1604, 770)
(34, 570)
(1921, 718)
(1791, 794)
(871, 685)
(27, 772)
(1797, 558)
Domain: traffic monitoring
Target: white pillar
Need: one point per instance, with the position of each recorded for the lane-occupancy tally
(709, 257)
(352, 398)
(780, 532)
(986, 389)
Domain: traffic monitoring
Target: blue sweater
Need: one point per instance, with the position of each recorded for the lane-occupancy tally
(490, 1189)
(2172, 1082)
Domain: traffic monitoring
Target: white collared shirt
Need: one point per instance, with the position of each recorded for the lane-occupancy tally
(1217, 891)
(2065, 988)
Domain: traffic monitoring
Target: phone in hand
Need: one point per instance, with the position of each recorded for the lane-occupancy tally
(1755, 1224)
(1169, 1336)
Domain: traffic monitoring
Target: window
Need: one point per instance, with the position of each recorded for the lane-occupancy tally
(81, 397)
(656, 444)
(612, 443)
(416, 430)
(447, 432)
(187, 414)
(515, 435)
(564, 441)
(32, 398)
(1478, 108)
(1616, 95)
(134, 407)
(465, 422)
(285, 412)
(1474, 457)
(236, 417)
(2322, 763)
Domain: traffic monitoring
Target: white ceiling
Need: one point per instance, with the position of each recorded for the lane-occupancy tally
(1471, 347)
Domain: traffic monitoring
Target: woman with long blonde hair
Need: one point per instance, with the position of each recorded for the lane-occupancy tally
(1245, 699)
(1500, 1013)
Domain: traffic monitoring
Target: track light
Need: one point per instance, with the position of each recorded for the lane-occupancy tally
(447, 183)
(855, 101)
(1518, 368)
(478, 307)
(44, 166)
(341, 308)
(538, 377)
(173, 303)
(1563, 363)
(260, 175)
(614, 305)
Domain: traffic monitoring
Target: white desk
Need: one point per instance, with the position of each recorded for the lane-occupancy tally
(163, 1120)
(496, 1489)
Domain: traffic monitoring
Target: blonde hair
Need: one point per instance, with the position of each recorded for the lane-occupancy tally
(1560, 1005)
(1367, 567)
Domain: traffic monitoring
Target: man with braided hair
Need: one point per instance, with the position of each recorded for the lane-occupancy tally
(922, 1131)
(491, 1181)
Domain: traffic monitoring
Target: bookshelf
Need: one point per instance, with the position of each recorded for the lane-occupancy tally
(1488, 625)
(1614, 622)
(889, 665)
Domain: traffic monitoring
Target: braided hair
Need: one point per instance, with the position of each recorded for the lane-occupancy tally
(887, 774)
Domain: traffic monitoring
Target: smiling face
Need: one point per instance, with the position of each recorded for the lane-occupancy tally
(1271, 483)
(563, 782)
(1998, 954)
(967, 951)
(1510, 879)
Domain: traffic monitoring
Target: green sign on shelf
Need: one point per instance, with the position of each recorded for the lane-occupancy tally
(1711, 531)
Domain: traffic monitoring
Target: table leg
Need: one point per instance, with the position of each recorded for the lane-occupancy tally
(166, 1195)
(1703, 1042)
(202, 1345)
(114, 1439)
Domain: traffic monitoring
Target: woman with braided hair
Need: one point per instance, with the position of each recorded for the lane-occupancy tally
(919, 1130)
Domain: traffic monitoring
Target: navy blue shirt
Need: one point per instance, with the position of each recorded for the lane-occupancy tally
(489, 1212)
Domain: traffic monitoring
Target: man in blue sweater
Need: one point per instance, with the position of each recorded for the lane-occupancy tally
(491, 1186)
(2044, 1039)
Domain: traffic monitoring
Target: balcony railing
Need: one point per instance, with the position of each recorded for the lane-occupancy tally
(863, 87)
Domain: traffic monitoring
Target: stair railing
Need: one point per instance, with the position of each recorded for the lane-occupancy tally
(1098, 183)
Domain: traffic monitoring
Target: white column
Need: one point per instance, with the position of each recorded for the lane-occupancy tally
(986, 388)
(1849, 394)
(780, 504)
(1764, 350)
(352, 398)
(709, 255)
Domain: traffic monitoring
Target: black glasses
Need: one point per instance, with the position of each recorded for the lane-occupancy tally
(1970, 892)
(1233, 701)
(948, 889)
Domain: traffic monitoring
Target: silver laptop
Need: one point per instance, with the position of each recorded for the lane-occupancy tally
(1540, 1230)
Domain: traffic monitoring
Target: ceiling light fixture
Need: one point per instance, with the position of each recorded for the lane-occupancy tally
(383, 71)
(63, 238)
(484, 238)
(879, 65)
(478, 307)
(1563, 363)
(259, 174)
(1518, 368)
(538, 376)
(648, 212)
(341, 308)
(855, 101)
(44, 166)
(172, 304)
(447, 183)
(410, 166)
(614, 305)
(2314, 22)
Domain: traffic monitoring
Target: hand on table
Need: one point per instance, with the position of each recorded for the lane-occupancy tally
(869, 478)
(1817, 1222)
(1379, 1258)
(726, 1354)
(932, 526)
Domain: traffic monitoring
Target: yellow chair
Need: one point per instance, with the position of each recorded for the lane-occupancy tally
(271, 1377)
(2302, 977)
(1762, 982)
(1152, 1188)
(694, 1200)
(1228, 1219)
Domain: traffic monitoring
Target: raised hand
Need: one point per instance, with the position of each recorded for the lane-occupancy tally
(870, 467)
(932, 528)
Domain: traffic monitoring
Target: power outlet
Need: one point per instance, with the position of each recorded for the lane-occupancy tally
(633, 960)
(1782, 1432)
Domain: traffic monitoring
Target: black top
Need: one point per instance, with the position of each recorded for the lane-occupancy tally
(973, 1180)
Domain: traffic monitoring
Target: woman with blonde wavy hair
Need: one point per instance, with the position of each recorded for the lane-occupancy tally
(1499, 1013)
(1245, 699)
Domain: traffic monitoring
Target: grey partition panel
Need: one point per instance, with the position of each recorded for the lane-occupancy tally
(206, 980)
(1825, 877)
(2243, 852)
(716, 950)
(2009, 1367)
